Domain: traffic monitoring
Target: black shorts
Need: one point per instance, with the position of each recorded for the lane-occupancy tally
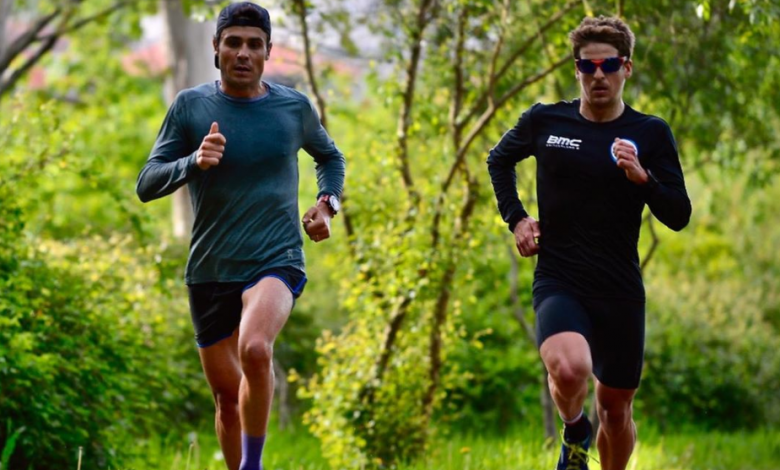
(216, 307)
(614, 329)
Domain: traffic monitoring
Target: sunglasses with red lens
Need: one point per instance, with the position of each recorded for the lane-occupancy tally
(608, 65)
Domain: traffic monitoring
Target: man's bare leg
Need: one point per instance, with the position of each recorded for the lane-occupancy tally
(223, 373)
(267, 307)
(568, 361)
(617, 433)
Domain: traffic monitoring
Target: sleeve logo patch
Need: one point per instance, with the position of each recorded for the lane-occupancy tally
(630, 142)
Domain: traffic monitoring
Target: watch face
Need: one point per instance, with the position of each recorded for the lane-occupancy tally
(334, 203)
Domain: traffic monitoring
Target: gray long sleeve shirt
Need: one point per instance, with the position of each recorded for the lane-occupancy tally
(246, 208)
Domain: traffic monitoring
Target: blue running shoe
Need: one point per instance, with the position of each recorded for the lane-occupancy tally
(574, 455)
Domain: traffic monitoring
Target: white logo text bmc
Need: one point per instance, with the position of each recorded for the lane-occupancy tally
(564, 142)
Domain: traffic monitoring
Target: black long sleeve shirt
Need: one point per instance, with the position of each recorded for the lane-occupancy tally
(589, 212)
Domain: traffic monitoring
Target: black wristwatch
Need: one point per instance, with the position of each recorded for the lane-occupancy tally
(332, 202)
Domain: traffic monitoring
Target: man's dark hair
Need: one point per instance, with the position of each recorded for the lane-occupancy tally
(607, 30)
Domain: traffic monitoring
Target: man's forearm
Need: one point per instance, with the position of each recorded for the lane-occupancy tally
(159, 178)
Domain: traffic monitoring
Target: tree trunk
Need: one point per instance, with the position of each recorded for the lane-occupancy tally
(545, 399)
(282, 392)
(191, 56)
(548, 410)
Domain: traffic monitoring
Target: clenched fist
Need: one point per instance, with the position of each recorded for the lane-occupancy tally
(211, 149)
(316, 222)
(526, 232)
(625, 153)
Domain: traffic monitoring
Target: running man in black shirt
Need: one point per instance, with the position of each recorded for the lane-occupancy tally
(598, 163)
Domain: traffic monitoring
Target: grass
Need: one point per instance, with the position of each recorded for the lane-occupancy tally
(295, 449)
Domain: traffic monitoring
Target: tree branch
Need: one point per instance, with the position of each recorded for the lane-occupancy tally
(440, 315)
(434, 347)
(405, 116)
(457, 128)
(424, 17)
(282, 392)
(23, 42)
(654, 245)
(388, 345)
(6, 85)
(485, 98)
(455, 107)
(548, 51)
(300, 9)
(493, 106)
(492, 78)
(299, 6)
(49, 40)
(488, 114)
(517, 308)
(86, 20)
(588, 8)
(470, 199)
(457, 66)
(519, 52)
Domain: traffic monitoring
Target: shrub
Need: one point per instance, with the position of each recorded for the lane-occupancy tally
(95, 347)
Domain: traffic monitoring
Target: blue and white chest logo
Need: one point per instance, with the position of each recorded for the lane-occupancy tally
(629, 142)
(564, 142)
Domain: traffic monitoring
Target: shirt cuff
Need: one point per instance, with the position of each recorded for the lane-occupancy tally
(515, 218)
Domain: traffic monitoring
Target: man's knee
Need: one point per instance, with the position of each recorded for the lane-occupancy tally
(567, 358)
(567, 373)
(226, 402)
(256, 356)
(615, 414)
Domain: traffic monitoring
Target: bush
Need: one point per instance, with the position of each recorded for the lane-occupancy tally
(95, 347)
(711, 359)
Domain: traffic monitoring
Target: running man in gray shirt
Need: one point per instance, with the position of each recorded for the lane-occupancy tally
(235, 143)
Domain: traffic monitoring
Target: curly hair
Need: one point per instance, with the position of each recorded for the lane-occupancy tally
(607, 30)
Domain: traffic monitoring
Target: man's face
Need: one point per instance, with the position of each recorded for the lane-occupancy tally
(242, 52)
(600, 90)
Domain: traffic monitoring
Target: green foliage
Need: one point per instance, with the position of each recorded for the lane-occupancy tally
(95, 342)
(677, 75)
(499, 359)
(369, 413)
(370, 416)
(91, 291)
(94, 345)
(405, 351)
(89, 352)
(10, 444)
(713, 315)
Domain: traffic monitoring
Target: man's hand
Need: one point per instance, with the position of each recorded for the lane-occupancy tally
(211, 149)
(628, 161)
(526, 232)
(316, 222)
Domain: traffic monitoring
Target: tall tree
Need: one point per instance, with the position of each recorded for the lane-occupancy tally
(192, 62)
